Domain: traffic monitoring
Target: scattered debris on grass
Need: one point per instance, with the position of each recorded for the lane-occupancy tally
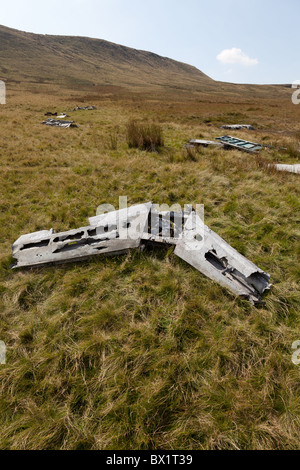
(237, 127)
(240, 144)
(203, 143)
(55, 122)
(62, 116)
(84, 108)
(288, 168)
(227, 142)
(135, 227)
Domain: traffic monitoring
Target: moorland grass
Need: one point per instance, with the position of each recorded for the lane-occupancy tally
(142, 351)
(144, 136)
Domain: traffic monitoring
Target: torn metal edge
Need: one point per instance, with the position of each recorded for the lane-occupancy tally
(211, 255)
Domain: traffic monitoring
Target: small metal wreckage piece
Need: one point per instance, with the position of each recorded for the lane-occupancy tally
(239, 144)
(229, 142)
(288, 168)
(84, 108)
(203, 143)
(58, 123)
(62, 116)
(135, 227)
(226, 142)
(237, 127)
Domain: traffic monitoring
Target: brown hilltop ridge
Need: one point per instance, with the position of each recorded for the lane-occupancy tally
(72, 62)
(68, 60)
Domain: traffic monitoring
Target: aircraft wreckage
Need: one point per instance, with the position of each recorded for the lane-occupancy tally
(59, 123)
(135, 227)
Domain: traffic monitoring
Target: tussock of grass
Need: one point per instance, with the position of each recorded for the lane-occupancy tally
(142, 351)
(293, 150)
(144, 136)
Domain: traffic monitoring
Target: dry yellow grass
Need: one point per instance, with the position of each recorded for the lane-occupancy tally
(142, 351)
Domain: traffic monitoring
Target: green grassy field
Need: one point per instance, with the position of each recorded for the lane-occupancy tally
(142, 351)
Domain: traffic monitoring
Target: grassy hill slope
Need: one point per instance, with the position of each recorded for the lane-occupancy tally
(98, 65)
(68, 60)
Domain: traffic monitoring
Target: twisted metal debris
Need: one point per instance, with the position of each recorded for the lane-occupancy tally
(58, 123)
(135, 227)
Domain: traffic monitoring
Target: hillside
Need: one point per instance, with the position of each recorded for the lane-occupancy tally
(78, 60)
(97, 65)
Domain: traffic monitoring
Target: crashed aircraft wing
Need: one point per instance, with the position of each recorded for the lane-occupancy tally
(104, 237)
(117, 232)
(211, 255)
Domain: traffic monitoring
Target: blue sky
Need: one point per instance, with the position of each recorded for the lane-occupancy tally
(254, 41)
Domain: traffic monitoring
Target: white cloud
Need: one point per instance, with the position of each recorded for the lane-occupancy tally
(236, 56)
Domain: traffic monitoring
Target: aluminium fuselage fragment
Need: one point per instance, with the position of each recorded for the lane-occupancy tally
(117, 232)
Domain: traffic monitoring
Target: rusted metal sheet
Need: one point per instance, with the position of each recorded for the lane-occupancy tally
(212, 256)
(239, 144)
